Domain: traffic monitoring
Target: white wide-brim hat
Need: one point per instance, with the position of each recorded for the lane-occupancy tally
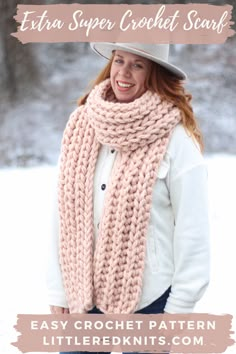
(159, 53)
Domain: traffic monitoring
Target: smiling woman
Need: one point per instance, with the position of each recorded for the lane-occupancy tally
(128, 75)
(132, 194)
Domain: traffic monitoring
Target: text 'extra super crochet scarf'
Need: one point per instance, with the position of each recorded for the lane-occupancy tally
(110, 274)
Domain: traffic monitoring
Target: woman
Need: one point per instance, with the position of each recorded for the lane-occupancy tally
(132, 192)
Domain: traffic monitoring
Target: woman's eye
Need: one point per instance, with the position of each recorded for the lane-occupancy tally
(134, 65)
(118, 61)
(139, 66)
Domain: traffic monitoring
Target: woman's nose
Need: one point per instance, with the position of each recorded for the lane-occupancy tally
(125, 70)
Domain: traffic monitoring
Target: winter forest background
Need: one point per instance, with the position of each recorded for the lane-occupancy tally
(39, 88)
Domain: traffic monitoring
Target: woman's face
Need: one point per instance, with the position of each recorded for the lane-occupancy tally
(128, 74)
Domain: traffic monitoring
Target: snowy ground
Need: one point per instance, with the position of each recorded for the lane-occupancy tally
(25, 209)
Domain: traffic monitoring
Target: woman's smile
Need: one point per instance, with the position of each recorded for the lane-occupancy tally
(122, 85)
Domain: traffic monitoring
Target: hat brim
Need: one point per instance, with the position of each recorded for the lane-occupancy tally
(105, 50)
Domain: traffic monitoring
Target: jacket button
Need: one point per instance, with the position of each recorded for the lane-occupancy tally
(103, 187)
(112, 151)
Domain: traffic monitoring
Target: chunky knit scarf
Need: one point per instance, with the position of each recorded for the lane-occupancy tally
(109, 275)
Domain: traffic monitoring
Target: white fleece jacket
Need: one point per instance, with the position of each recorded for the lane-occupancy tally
(177, 252)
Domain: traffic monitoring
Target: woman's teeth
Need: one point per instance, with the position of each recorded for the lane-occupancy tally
(122, 84)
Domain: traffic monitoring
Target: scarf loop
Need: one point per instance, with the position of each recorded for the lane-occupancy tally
(109, 275)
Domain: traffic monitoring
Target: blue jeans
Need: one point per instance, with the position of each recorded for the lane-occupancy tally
(154, 308)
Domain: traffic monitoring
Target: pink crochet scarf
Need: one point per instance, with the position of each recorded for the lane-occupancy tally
(110, 274)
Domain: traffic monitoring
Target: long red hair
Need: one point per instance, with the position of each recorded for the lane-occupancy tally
(169, 87)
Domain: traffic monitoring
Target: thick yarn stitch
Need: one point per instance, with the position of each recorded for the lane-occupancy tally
(110, 274)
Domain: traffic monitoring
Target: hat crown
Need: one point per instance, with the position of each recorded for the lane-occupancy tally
(160, 51)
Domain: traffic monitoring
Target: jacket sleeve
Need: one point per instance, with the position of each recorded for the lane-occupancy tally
(189, 199)
(56, 293)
